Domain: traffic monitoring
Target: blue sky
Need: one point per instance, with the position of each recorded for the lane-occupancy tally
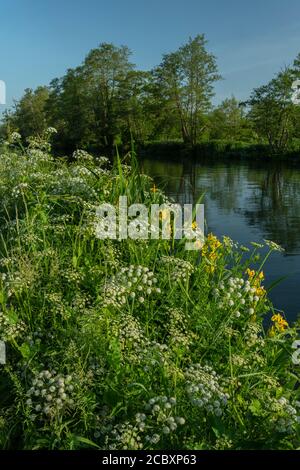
(251, 39)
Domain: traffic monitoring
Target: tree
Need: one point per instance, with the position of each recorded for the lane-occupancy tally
(134, 117)
(67, 111)
(228, 122)
(272, 112)
(105, 78)
(95, 105)
(186, 79)
(29, 115)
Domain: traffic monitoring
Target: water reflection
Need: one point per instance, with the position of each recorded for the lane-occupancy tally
(248, 202)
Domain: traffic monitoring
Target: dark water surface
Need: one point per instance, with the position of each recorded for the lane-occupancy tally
(248, 201)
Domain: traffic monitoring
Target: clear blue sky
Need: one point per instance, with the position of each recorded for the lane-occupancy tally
(251, 39)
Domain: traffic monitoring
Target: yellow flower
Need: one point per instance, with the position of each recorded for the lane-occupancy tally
(260, 291)
(210, 269)
(275, 317)
(154, 189)
(194, 225)
(280, 324)
(261, 276)
(210, 252)
(213, 256)
(272, 332)
(250, 273)
(213, 242)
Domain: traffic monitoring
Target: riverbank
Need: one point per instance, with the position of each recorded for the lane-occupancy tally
(132, 344)
(214, 150)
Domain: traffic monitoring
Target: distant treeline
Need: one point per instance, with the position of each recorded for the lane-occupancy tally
(107, 102)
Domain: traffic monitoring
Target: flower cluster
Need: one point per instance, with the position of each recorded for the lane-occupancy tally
(15, 137)
(179, 336)
(124, 436)
(204, 389)
(39, 142)
(238, 361)
(18, 281)
(246, 362)
(132, 340)
(160, 419)
(10, 328)
(75, 186)
(50, 394)
(283, 414)
(179, 269)
(255, 279)
(50, 131)
(56, 303)
(238, 295)
(19, 189)
(223, 443)
(82, 156)
(155, 355)
(133, 343)
(36, 156)
(101, 161)
(133, 282)
(252, 335)
(157, 422)
(229, 244)
(290, 416)
(211, 252)
(279, 324)
(229, 296)
(72, 276)
(274, 246)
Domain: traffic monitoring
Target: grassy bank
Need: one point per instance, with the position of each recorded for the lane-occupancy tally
(134, 344)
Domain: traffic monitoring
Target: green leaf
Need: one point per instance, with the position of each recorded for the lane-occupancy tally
(86, 441)
(256, 408)
(275, 283)
(12, 316)
(25, 350)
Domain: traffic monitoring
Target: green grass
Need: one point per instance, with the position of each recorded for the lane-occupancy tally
(129, 344)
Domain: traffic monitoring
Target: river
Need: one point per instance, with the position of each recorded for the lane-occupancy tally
(248, 201)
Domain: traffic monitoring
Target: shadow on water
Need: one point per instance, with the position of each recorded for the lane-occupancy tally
(248, 202)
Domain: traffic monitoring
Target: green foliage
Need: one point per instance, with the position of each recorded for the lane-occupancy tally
(105, 102)
(29, 116)
(129, 344)
(273, 114)
(228, 122)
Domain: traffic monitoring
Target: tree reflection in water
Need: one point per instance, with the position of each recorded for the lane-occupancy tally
(249, 201)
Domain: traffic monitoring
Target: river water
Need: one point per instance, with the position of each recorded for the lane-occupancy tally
(248, 201)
